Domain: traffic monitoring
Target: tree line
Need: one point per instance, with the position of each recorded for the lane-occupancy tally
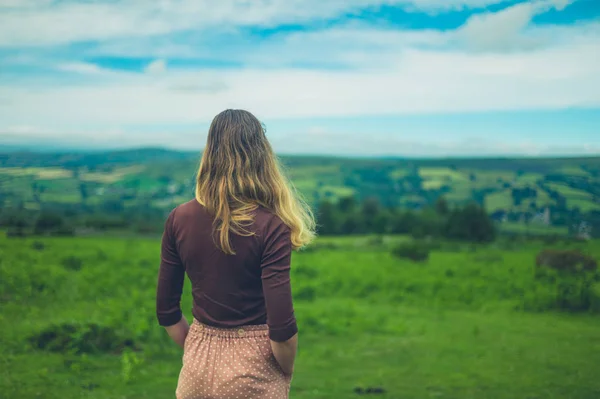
(349, 216)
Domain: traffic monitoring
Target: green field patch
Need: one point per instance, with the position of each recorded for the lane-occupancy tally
(583, 204)
(433, 184)
(32, 206)
(445, 174)
(398, 174)
(337, 191)
(111, 177)
(571, 170)
(460, 192)
(499, 201)
(436, 178)
(533, 228)
(66, 198)
(569, 192)
(312, 172)
(529, 178)
(492, 176)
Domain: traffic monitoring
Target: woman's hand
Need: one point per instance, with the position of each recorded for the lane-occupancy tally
(285, 353)
(178, 332)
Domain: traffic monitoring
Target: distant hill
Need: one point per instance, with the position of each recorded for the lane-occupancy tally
(512, 189)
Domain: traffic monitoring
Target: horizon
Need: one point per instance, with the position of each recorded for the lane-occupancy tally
(5, 150)
(374, 78)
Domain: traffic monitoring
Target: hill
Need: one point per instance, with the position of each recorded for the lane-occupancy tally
(555, 191)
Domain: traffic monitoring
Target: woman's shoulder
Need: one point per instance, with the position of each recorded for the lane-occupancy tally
(267, 219)
(187, 209)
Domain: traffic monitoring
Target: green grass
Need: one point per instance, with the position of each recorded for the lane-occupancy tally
(533, 228)
(452, 327)
(433, 184)
(444, 173)
(399, 173)
(573, 171)
(529, 178)
(499, 201)
(583, 204)
(569, 192)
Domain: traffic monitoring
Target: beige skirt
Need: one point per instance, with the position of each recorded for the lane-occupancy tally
(221, 363)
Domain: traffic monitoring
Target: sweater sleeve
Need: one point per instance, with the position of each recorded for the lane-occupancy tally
(275, 273)
(170, 278)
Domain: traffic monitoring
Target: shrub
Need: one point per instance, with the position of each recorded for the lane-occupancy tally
(566, 280)
(307, 293)
(571, 261)
(416, 251)
(38, 245)
(320, 246)
(15, 233)
(72, 263)
(375, 241)
(84, 338)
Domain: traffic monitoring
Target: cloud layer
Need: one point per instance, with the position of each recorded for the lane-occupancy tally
(65, 64)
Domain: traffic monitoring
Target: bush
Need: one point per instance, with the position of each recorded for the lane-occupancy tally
(15, 233)
(375, 241)
(571, 261)
(566, 280)
(84, 338)
(72, 263)
(416, 251)
(306, 294)
(38, 245)
(320, 246)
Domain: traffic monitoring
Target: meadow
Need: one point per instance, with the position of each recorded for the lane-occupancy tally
(472, 321)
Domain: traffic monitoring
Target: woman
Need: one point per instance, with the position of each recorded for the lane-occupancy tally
(234, 242)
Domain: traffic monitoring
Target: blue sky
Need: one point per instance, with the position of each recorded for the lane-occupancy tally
(346, 77)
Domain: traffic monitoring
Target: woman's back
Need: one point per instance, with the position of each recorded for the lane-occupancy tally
(228, 290)
(234, 242)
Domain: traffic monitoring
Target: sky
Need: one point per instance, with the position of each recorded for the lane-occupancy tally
(343, 77)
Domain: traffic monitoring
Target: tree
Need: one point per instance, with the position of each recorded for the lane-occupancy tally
(404, 222)
(352, 224)
(441, 206)
(16, 224)
(382, 222)
(470, 223)
(48, 222)
(346, 204)
(327, 219)
(370, 210)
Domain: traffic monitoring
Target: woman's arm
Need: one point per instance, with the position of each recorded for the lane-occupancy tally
(285, 353)
(178, 332)
(275, 265)
(170, 286)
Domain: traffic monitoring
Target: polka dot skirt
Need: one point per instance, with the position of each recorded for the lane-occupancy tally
(221, 363)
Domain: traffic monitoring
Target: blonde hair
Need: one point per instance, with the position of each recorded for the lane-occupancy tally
(238, 173)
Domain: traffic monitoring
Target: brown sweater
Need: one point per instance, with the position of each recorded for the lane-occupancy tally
(250, 287)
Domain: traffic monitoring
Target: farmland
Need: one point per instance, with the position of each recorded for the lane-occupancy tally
(512, 190)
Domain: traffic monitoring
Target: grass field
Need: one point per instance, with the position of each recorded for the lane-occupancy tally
(459, 326)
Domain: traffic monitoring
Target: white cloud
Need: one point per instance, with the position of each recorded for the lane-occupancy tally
(416, 81)
(156, 67)
(41, 23)
(82, 68)
(385, 71)
(504, 30)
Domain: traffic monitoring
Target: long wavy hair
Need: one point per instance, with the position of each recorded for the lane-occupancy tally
(238, 173)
